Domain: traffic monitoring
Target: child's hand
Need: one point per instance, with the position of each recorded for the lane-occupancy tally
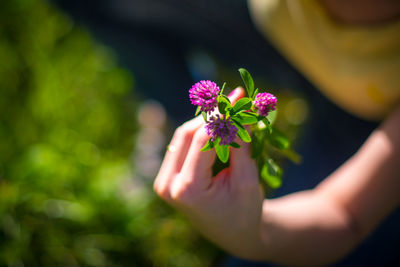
(226, 208)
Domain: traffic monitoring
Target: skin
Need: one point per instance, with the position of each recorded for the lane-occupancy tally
(307, 228)
(314, 227)
(233, 197)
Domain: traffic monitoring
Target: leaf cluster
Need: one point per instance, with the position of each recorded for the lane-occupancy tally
(263, 134)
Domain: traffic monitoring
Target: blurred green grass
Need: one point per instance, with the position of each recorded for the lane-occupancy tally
(68, 191)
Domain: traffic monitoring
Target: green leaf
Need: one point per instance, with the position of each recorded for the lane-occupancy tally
(246, 118)
(268, 125)
(244, 103)
(218, 166)
(254, 94)
(279, 139)
(223, 104)
(292, 155)
(272, 116)
(257, 144)
(242, 133)
(204, 114)
(197, 111)
(264, 125)
(273, 168)
(208, 146)
(271, 173)
(222, 151)
(222, 89)
(248, 81)
(234, 145)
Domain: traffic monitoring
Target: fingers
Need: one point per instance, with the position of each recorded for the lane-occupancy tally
(184, 164)
(198, 165)
(175, 155)
(179, 145)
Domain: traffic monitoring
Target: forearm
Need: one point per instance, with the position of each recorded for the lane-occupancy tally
(305, 228)
(367, 185)
(322, 225)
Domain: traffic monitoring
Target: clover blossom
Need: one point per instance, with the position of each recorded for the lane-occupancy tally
(223, 128)
(204, 94)
(264, 103)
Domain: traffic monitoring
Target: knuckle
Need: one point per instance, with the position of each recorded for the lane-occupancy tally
(161, 189)
(156, 186)
(183, 194)
(200, 137)
(181, 132)
(186, 127)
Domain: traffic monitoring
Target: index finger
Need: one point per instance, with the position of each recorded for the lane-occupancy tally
(176, 154)
(199, 164)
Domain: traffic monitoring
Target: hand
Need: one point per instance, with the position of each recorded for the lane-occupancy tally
(226, 208)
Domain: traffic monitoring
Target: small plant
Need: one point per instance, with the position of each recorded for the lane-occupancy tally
(226, 121)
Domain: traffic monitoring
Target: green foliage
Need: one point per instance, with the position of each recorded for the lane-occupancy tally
(208, 146)
(224, 105)
(242, 132)
(246, 118)
(271, 173)
(234, 145)
(278, 139)
(267, 140)
(68, 195)
(198, 110)
(269, 143)
(204, 114)
(222, 89)
(222, 151)
(248, 82)
(244, 103)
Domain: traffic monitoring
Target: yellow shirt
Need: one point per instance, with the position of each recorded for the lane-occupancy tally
(357, 67)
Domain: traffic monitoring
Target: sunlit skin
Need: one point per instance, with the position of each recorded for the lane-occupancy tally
(314, 227)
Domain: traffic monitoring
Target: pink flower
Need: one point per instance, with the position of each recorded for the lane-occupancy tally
(264, 103)
(204, 94)
(223, 128)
